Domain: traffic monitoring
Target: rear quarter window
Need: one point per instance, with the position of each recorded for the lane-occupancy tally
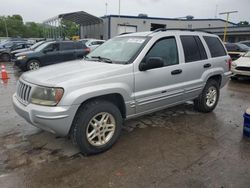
(215, 46)
(67, 46)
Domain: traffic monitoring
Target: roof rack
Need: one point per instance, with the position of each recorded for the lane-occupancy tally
(180, 29)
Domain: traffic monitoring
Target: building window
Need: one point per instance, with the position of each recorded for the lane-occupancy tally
(155, 26)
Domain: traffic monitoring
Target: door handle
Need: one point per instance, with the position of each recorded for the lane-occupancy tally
(178, 71)
(207, 65)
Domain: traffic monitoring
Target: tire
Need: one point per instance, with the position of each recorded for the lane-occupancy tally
(208, 99)
(234, 78)
(33, 65)
(99, 138)
(5, 57)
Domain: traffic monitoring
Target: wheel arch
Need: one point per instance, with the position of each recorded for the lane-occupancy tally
(115, 98)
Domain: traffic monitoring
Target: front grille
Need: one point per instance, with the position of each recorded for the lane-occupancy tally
(23, 92)
(243, 68)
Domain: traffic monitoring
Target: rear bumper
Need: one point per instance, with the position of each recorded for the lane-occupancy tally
(225, 78)
(56, 120)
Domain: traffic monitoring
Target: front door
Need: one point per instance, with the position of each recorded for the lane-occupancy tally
(51, 54)
(160, 87)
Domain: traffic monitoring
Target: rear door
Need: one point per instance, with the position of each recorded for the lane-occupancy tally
(67, 51)
(79, 48)
(195, 63)
(160, 87)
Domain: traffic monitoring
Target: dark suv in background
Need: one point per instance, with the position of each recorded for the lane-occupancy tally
(49, 53)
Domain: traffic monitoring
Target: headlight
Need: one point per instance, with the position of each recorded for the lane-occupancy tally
(46, 96)
(21, 57)
(234, 64)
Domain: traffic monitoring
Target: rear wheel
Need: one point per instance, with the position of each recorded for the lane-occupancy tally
(97, 126)
(208, 99)
(5, 57)
(33, 65)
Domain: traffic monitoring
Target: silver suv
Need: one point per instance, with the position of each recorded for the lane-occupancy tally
(126, 77)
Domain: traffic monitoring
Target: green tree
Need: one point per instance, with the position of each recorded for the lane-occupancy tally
(243, 23)
(70, 28)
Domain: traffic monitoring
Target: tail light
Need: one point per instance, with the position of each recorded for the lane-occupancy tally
(229, 63)
(86, 50)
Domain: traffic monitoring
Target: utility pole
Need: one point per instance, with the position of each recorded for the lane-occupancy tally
(119, 11)
(106, 5)
(226, 24)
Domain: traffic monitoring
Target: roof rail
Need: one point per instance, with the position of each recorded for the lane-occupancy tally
(180, 29)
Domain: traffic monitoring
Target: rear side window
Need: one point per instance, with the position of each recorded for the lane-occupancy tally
(193, 48)
(79, 45)
(67, 46)
(165, 48)
(215, 46)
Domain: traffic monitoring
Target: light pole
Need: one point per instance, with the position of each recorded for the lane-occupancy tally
(225, 30)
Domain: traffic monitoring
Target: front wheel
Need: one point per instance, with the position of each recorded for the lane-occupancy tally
(33, 65)
(208, 99)
(97, 126)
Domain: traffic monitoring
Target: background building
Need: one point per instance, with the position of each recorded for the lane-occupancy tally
(114, 25)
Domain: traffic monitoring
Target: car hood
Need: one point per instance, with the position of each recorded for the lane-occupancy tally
(72, 72)
(21, 50)
(243, 61)
(25, 53)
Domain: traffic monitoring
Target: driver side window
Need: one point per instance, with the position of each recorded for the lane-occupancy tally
(52, 47)
(166, 49)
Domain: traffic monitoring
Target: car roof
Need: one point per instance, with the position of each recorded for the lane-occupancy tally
(169, 32)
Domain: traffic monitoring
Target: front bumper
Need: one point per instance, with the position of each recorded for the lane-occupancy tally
(56, 119)
(20, 63)
(240, 72)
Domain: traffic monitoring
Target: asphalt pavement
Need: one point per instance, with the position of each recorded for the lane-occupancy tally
(176, 147)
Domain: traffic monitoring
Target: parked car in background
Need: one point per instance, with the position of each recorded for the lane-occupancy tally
(91, 44)
(49, 53)
(241, 67)
(5, 53)
(246, 42)
(31, 48)
(236, 50)
(10, 42)
(88, 100)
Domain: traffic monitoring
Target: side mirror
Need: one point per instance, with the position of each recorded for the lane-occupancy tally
(151, 63)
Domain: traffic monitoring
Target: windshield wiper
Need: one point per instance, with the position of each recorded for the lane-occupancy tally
(103, 59)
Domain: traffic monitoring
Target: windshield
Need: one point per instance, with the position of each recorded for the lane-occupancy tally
(7, 44)
(34, 46)
(247, 54)
(42, 46)
(243, 46)
(118, 50)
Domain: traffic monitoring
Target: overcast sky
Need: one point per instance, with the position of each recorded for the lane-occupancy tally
(40, 10)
